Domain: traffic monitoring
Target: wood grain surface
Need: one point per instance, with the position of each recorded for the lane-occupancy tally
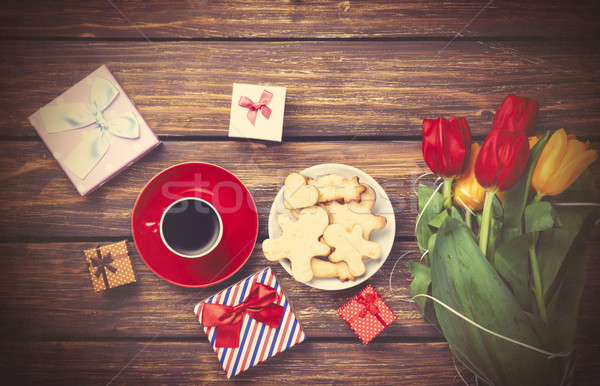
(28, 167)
(154, 308)
(317, 19)
(339, 89)
(360, 78)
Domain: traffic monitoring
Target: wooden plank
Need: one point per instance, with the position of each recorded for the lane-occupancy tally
(49, 205)
(338, 89)
(46, 293)
(293, 20)
(29, 167)
(314, 362)
(195, 362)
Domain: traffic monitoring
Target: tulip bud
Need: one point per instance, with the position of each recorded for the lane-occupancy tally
(516, 114)
(561, 161)
(468, 194)
(502, 159)
(446, 145)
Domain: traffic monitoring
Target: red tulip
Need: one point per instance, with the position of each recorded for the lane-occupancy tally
(502, 159)
(516, 114)
(446, 145)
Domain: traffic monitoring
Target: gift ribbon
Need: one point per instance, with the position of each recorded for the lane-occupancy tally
(92, 147)
(259, 305)
(368, 301)
(261, 105)
(102, 263)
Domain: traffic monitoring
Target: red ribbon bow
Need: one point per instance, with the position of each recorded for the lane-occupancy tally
(261, 105)
(259, 305)
(368, 300)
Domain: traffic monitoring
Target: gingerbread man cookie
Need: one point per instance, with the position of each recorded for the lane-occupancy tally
(299, 241)
(350, 247)
(357, 213)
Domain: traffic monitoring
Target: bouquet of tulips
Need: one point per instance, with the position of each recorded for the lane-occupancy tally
(503, 243)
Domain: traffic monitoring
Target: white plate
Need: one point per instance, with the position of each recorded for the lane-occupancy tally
(383, 207)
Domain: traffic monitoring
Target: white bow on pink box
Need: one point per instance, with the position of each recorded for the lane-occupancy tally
(70, 116)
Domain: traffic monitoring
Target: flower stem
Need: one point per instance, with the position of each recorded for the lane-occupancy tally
(468, 218)
(535, 271)
(537, 282)
(484, 233)
(448, 193)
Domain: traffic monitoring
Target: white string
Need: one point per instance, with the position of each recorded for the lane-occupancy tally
(470, 365)
(426, 205)
(533, 348)
(465, 205)
(394, 267)
(458, 372)
(415, 191)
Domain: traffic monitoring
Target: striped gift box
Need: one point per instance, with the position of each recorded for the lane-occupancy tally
(257, 340)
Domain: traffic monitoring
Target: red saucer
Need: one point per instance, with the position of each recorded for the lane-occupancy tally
(226, 193)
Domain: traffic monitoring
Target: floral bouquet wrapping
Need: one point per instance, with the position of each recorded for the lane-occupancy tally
(503, 243)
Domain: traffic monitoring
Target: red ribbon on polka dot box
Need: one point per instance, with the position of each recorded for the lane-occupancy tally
(367, 314)
(109, 266)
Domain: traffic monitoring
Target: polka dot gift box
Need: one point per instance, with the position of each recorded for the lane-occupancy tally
(367, 314)
(110, 266)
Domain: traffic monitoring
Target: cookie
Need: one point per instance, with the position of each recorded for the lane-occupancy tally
(333, 187)
(351, 247)
(299, 241)
(296, 212)
(357, 213)
(297, 193)
(326, 269)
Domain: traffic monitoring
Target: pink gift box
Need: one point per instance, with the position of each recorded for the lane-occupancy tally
(367, 314)
(94, 130)
(255, 340)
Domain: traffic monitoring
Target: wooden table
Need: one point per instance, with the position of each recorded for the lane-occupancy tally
(360, 78)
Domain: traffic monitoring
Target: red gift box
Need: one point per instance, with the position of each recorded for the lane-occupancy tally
(367, 314)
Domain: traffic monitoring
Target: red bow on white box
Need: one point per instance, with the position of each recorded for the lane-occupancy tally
(253, 107)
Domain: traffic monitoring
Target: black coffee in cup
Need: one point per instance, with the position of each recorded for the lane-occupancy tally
(191, 227)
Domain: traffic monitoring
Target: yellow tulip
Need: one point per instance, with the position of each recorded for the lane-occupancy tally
(533, 140)
(562, 160)
(468, 194)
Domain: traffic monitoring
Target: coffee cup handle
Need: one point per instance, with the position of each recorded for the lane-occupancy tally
(150, 227)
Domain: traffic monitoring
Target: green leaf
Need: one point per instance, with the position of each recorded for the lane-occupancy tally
(512, 263)
(516, 197)
(438, 220)
(539, 216)
(430, 206)
(564, 305)
(554, 244)
(429, 249)
(463, 279)
(564, 294)
(420, 284)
